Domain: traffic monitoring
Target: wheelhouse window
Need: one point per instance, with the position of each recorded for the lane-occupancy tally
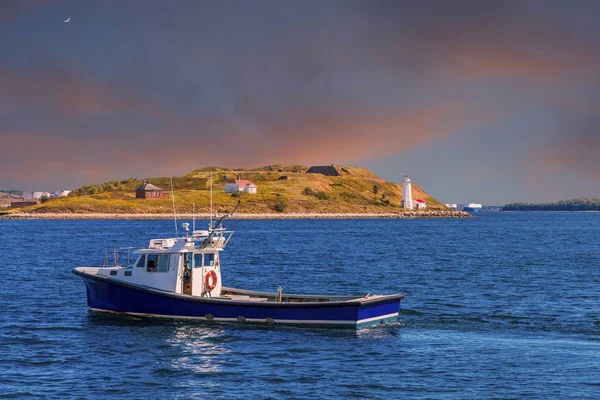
(209, 259)
(157, 263)
(141, 262)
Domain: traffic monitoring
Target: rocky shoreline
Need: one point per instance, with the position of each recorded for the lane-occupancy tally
(397, 215)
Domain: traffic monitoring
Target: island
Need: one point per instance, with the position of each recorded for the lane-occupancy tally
(274, 191)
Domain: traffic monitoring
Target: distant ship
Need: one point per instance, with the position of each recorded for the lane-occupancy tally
(472, 207)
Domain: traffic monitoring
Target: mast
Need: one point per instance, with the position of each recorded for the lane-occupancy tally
(174, 212)
(212, 231)
(211, 200)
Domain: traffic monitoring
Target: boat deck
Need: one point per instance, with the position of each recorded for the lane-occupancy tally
(248, 295)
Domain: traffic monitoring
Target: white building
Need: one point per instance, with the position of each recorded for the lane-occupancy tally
(35, 195)
(62, 193)
(241, 185)
(407, 200)
(420, 204)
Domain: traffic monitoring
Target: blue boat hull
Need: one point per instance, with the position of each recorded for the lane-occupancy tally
(109, 295)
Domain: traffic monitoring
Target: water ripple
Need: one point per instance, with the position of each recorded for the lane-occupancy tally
(502, 306)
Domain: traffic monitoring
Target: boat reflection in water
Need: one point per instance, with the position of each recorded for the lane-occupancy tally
(198, 348)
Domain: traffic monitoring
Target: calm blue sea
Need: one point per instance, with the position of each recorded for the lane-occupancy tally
(504, 306)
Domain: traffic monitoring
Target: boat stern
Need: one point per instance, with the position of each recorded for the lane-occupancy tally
(378, 310)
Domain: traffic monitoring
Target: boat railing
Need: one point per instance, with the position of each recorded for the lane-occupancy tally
(217, 238)
(119, 256)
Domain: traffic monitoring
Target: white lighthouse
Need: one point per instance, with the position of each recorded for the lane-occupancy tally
(407, 200)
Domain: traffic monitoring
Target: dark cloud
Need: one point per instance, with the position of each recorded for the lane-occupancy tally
(64, 90)
(250, 83)
(575, 150)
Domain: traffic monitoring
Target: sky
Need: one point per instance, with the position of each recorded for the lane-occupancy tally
(478, 101)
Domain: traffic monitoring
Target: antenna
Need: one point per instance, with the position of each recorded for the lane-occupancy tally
(211, 200)
(193, 217)
(174, 212)
(213, 230)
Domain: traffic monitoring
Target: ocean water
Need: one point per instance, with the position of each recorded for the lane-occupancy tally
(504, 306)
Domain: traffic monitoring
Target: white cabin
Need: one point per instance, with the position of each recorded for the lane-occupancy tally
(180, 265)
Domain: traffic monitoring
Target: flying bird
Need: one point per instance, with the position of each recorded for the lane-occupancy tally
(67, 20)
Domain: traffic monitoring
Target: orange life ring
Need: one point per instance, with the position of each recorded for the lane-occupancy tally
(210, 280)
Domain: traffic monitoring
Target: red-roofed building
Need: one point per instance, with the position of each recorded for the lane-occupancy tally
(241, 185)
(420, 204)
(149, 191)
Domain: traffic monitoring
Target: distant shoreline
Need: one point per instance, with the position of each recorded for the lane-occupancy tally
(443, 214)
(563, 205)
(549, 210)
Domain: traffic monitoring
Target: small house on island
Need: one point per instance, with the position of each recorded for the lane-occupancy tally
(150, 192)
(23, 203)
(241, 185)
(419, 204)
(327, 170)
(35, 195)
(62, 193)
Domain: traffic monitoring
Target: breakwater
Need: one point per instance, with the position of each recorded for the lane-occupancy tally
(396, 215)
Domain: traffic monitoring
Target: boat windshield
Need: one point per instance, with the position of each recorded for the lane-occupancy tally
(207, 260)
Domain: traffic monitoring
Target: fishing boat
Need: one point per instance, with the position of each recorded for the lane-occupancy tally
(181, 278)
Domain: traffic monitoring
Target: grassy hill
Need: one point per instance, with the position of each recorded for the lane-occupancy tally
(357, 190)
